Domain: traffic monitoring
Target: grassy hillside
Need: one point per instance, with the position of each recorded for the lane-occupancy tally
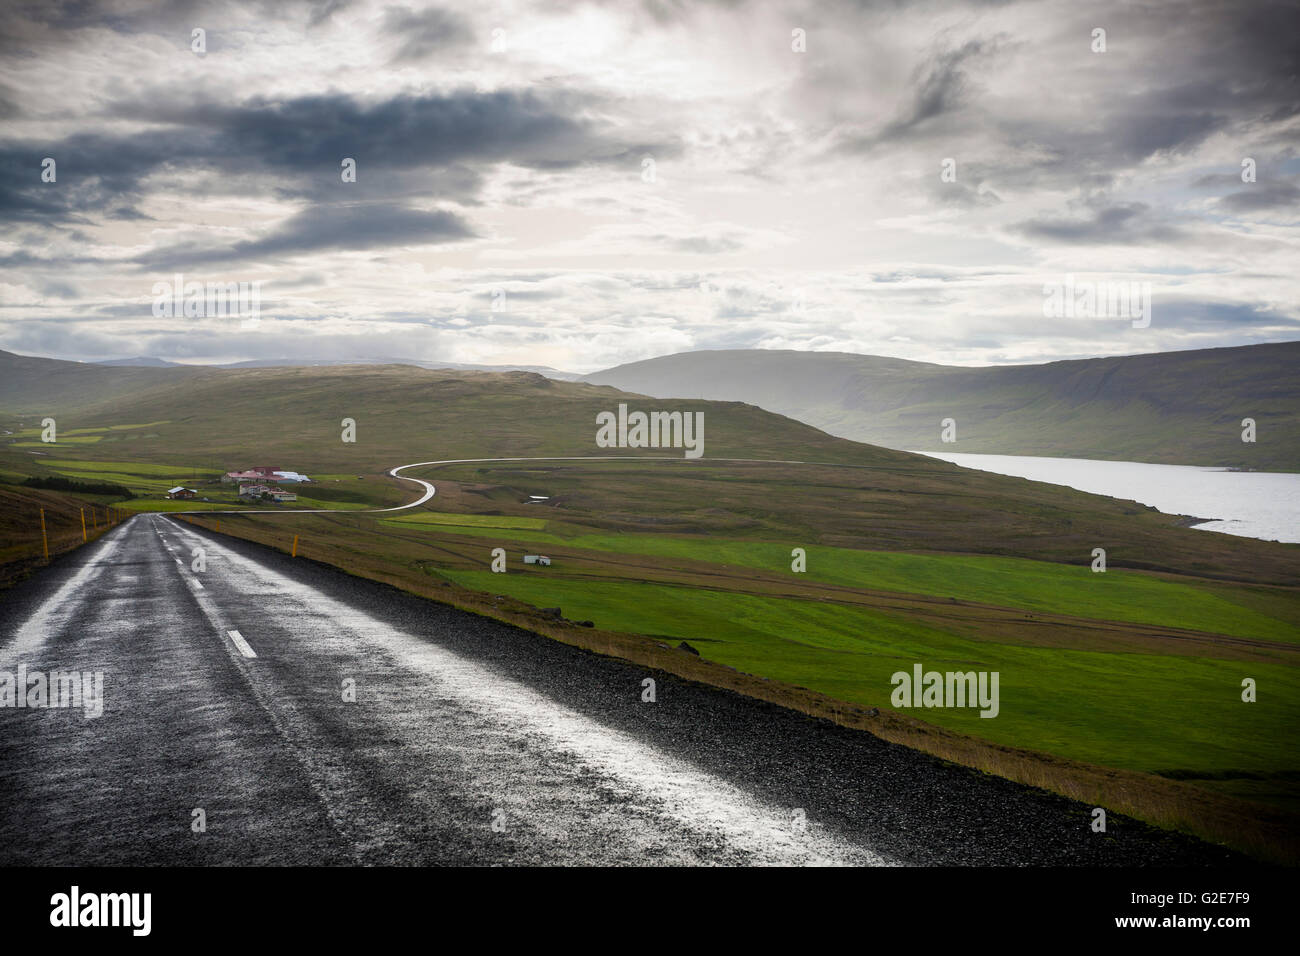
(22, 549)
(217, 419)
(1171, 407)
(32, 387)
(166, 433)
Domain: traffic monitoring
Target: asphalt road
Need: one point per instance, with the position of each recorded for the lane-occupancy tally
(468, 742)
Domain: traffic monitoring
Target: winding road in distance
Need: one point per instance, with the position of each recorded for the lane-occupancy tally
(429, 489)
(266, 710)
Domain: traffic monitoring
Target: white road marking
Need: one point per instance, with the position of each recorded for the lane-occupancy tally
(197, 583)
(242, 644)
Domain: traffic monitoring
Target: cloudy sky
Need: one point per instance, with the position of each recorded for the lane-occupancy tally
(583, 184)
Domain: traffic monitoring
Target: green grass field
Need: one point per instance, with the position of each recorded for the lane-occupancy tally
(1115, 595)
(1141, 712)
(472, 523)
(142, 469)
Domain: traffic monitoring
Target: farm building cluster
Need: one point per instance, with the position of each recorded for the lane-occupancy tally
(265, 482)
(255, 484)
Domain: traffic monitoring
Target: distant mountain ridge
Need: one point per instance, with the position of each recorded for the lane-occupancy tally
(140, 361)
(218, 419)
(1168, 407)
(151, 362)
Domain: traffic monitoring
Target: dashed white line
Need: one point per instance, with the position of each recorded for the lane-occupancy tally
(242, 644)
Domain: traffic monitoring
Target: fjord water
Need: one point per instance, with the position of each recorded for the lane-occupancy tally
(1254, 504)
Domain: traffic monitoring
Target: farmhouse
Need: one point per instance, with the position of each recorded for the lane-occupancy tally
(181, 492)
(278, 494)
(252, 490)
(263, 474)
(238, 477)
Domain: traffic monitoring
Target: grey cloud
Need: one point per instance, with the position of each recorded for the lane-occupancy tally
(1261, 196)
(293, 149)
(404, 132)
(424, 31)
(327, 228)
(36, 24)
(964, 194)
(942, 85)
(704, 245)
(1233, 71)
(1118, 223)
(8, 102)
(299, 145)
(58, 289)
(1196, 314)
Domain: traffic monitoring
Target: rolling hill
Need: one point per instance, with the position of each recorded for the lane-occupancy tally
(150, 362)
(148, 428)
(1169, 408)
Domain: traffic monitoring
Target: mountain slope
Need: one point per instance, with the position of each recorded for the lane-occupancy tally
(148, 362)
(1172, 407)
(33, 386)
(217, 418)
(179, 425)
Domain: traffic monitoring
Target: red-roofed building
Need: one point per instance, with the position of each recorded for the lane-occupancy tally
(273, 475)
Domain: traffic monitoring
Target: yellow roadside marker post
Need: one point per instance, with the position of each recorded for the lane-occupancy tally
(83, 525)
(45, 538)
(295, 547)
